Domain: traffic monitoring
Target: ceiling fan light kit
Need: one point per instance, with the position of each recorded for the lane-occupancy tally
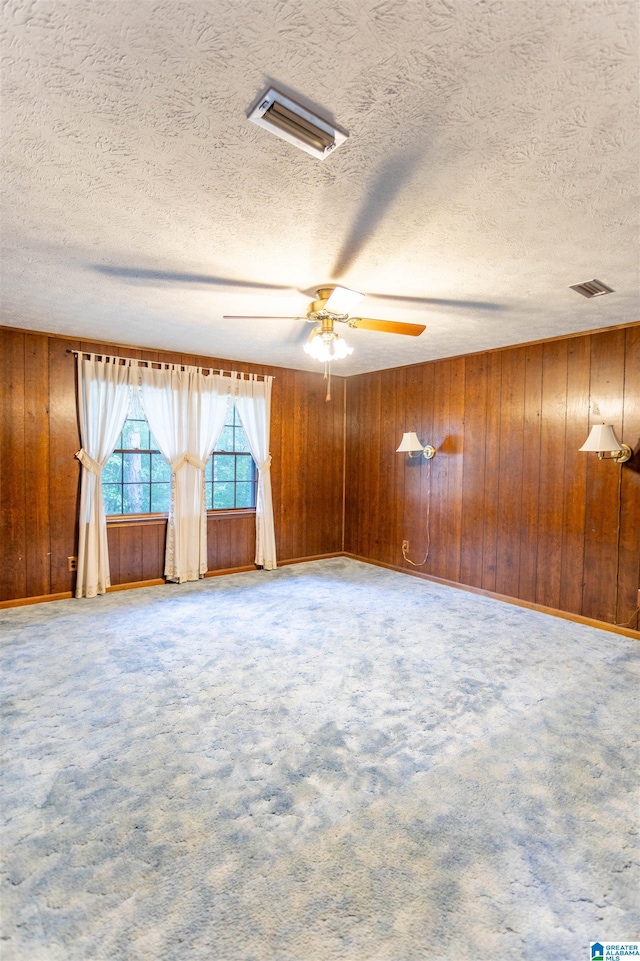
(326, 346)
(294, 123)
(331, 307)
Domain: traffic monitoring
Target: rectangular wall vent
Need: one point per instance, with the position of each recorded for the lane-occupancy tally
(591, 288)
(291, 122)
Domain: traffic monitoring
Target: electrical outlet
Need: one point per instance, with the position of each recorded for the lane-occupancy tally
(72, 563)
(405, 546)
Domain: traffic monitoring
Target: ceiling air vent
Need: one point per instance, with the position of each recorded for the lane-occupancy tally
(291, 122)
(592, 288)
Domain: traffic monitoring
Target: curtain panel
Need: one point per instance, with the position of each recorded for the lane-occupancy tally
(253, 403)
(103, 401)
(186, 413)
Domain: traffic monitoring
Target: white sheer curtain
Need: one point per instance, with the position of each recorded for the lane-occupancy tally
(253, 402)
(103, 401)
(186, 413)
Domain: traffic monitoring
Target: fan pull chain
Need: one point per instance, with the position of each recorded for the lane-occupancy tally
(327, 377)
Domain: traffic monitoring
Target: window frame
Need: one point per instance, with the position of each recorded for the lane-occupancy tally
(160, 517)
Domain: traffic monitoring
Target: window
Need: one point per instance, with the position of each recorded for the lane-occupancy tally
(137, 479)
(230, 474)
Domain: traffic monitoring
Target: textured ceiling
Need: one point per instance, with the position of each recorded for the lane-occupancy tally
(492, 160)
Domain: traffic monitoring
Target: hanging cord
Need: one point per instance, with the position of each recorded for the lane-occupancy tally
(628, 623)
(327, 377)
(404, 549)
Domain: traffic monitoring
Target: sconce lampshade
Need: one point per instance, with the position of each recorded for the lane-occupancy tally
(409, 443)
(602, 437)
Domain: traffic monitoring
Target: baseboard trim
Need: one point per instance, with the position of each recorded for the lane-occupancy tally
(39, 599)
(231, 570)
(565, 615)
(312, 557)
(133, 585)
(158, 581)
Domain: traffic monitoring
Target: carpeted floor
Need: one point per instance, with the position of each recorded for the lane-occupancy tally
(328, 761)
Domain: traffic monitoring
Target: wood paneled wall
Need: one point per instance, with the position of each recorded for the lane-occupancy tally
(509, 503)
(40, 475)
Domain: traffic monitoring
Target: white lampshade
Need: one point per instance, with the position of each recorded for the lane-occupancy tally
(602, 437)
(409, 443)
(342, 300)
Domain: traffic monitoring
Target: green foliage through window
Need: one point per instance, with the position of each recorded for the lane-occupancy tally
(137, 479)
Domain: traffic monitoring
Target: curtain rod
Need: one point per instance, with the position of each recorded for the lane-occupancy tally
(162, 364)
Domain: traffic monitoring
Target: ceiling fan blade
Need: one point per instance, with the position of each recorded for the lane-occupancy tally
(161, 277)
(436, 302)
(387, 326)
(258, 317)
(342, 300)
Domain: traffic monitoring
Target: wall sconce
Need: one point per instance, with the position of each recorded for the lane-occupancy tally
(410, 445)
(602, 438)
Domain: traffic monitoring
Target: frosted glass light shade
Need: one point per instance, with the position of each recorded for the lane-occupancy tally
(602, 437)
(327, 347)
(409, 443)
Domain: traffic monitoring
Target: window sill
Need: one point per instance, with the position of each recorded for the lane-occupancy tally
(128, 520)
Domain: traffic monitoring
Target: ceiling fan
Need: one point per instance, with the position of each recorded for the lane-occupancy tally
(332, 306)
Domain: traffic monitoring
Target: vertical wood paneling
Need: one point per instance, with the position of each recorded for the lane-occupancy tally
(36, 460)
(530, 491)
(439, 468)
(385, 469)
(412, 470)
(629, 561)
(473, 470)
(130, 559)
(302, 455)
(13, 570)
(355, 476)
(64, 468)
(491, 471)
(396, 467)
(42, 476)
(285, 479)
(370, 539)
(514, 506)
(113, 541)
(531, 506)
(575, 474)
(551, 489)
(454, 450)
(603, 485)
(420, 542)
(511, 447)
(153, 541)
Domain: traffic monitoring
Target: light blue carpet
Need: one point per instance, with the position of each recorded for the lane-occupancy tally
(328, 761)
